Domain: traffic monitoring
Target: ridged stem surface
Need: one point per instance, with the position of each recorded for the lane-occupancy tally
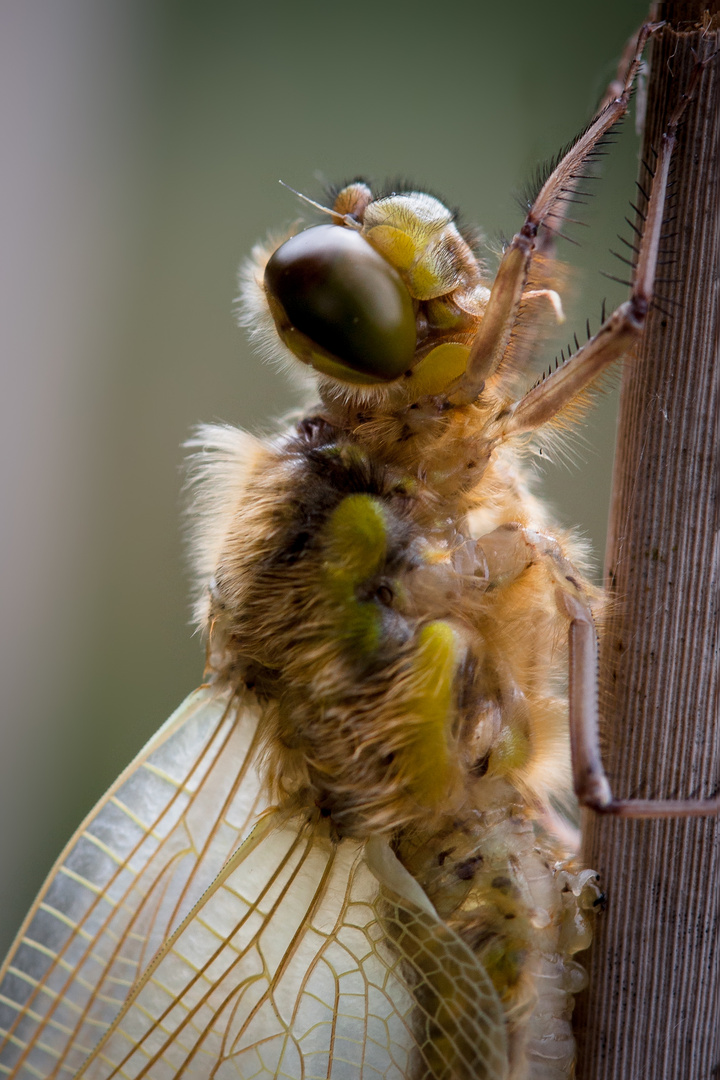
(652, 1010)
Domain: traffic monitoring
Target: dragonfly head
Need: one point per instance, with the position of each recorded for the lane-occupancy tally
(388, 292)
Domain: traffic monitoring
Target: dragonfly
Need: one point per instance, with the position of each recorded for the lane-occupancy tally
(349, 853)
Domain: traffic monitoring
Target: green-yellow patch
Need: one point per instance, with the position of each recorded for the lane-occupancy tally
(356, 547)
(429, 706)
(439, 368)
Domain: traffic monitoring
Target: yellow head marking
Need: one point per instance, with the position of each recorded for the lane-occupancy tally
(415, 232)
(397, 246)
(438, 369)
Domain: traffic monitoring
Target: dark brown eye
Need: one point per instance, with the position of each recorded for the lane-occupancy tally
(340, 305)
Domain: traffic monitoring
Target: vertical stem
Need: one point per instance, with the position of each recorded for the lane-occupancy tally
(652, 1010)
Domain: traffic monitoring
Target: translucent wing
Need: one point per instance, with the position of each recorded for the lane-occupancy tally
(136, 865)
(308, 959)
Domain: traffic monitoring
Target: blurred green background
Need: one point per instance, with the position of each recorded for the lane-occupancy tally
(142, 148)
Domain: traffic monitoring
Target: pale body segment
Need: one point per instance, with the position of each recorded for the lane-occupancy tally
(390, 626)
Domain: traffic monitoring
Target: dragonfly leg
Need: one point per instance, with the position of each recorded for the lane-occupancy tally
(493, 336)
(543, 275)
(591, 784)
(621, 330)
(506, 553)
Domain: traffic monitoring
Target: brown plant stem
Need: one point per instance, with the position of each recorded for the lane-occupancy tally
(652, 1010)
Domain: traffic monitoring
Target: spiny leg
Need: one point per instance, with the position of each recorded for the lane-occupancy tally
(621, 330)
(542, 272)
(491, 340)
(615, 86)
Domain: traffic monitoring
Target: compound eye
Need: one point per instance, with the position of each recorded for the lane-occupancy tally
(340, 306)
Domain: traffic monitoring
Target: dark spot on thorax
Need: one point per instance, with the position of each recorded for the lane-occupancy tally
(465, 870)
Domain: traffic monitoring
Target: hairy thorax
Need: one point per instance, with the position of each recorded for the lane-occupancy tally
(356, 602)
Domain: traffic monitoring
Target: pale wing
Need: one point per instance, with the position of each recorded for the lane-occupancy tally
(308, 959)
(134, 868)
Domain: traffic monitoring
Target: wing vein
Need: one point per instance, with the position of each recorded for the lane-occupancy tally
(61, 995)
(192, 1012)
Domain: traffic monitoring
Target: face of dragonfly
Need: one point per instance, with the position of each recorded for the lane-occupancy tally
(389, 291)
(383, 301)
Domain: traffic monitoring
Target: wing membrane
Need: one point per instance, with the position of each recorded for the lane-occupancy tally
(308, 959)
(141, 859)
